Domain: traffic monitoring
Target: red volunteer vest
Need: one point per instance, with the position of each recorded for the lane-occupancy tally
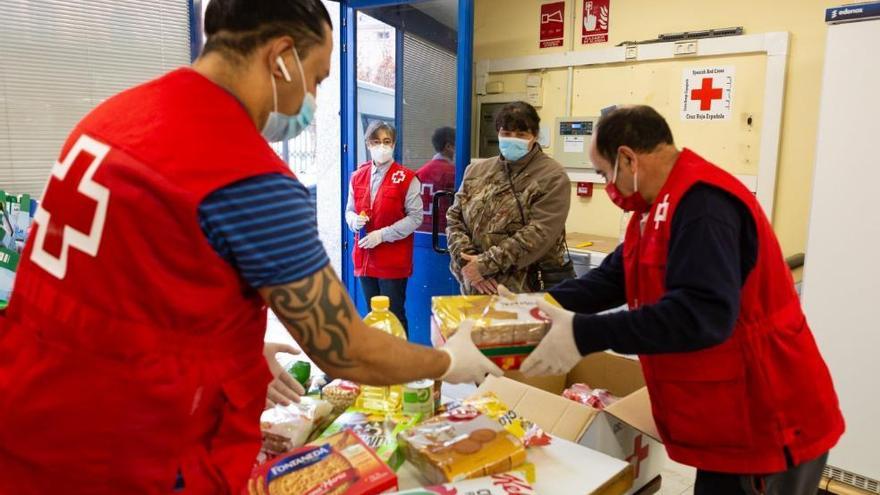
(738, 406)
(131, 349)
(389, 259)
(435, 175)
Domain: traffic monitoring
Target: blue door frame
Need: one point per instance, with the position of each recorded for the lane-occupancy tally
(348, 113)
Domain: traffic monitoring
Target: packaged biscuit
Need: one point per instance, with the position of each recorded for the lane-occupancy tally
(378, 430)
(340, 464)
(489, 404)
(461, 444)
(513, 483)
(341, 393)
(506, 329)
(289, 427)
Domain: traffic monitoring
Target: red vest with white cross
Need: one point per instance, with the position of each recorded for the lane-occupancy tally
(738, 406)
(132, 350)
(390, 259)
(435, 175)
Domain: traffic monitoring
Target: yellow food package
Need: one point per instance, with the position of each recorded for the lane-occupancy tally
(489, 404)
(461, 444)
(506, 329)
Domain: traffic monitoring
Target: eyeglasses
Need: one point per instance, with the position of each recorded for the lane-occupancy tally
(379, 142)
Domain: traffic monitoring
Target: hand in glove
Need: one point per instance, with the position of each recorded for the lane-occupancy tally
(372, 239)
(360, 221)
(466, 363)
(557, 353)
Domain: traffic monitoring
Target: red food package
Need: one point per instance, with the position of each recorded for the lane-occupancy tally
(596, 398)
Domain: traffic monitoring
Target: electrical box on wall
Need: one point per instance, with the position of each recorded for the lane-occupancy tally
(573, 136)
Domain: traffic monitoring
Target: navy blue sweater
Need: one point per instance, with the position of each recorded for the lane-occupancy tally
(713, 246)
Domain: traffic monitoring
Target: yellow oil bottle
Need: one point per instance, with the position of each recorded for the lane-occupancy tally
(389, 398)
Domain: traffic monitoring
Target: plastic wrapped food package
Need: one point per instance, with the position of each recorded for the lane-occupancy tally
(489, 404)
(597, 398)
(506, 329)
(461, 444)
(288, 427)
(342, 394)
(378, 430)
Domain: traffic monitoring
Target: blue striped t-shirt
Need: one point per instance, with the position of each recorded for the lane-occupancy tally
(265, 226)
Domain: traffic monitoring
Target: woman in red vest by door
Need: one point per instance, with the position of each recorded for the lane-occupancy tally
(738, 387)
(384, 208)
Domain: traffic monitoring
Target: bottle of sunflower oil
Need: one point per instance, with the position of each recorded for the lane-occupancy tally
(388, 398)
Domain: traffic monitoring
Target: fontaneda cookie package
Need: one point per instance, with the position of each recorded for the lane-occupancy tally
(336, 465)
(506, 329)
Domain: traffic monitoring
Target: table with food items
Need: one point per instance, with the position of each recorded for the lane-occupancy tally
(415, 438)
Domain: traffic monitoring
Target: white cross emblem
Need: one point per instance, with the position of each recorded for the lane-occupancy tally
(398, 177)
(662, 210)
(71, 236)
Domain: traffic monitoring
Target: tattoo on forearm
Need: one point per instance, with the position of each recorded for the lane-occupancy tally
(316, 310)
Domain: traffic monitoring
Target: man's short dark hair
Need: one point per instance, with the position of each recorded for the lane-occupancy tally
(238, 27)
(640, 127)
(518, 116)
(442, 137)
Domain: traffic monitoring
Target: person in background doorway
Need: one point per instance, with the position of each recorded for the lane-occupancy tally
(131, 352)
(738, 387)
(507, 225)
(438, 174)
(384, 208)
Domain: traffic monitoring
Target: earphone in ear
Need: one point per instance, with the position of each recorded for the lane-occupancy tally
(280, 62)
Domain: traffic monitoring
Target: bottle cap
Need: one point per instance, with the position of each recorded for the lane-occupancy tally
(380, 303)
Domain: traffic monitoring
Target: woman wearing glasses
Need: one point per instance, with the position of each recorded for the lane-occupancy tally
(384, 208)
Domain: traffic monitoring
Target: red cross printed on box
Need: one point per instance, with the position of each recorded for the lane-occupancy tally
(706, 94)
(640, 453)
(73, 210)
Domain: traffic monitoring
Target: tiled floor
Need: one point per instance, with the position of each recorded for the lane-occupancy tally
(677, 479)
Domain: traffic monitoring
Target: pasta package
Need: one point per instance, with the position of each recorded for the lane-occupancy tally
(506, 329)
(461, 444)
(339, 464)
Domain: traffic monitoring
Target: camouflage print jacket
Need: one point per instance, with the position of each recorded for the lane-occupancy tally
(485, 219)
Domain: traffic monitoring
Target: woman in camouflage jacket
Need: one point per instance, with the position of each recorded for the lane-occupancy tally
(507, 225)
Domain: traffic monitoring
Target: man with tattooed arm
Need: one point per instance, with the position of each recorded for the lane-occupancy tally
(131, 352)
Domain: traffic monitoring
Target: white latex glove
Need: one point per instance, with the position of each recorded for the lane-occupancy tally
(283, 389)
(466, 363)
(557, 353)
(504, 292)
(372, 239)
(359, 222)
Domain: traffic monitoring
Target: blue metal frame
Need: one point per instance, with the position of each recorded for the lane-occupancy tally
(398, 95)
(464, 91)
(348, 112)
(348, 124)
(195, 28)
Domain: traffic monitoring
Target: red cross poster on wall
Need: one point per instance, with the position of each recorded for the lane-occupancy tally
(552, 24)
(595, 21)
(707, 93)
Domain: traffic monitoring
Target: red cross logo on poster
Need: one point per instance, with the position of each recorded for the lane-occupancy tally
(552, 24)
(707, 93)
(595, 22)
(72, 213)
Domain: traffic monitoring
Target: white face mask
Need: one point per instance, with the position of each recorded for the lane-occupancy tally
(382, 154)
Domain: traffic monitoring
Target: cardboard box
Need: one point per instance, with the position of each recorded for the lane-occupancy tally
(625, 430)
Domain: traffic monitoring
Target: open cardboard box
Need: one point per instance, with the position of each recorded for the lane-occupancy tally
(625, 429)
